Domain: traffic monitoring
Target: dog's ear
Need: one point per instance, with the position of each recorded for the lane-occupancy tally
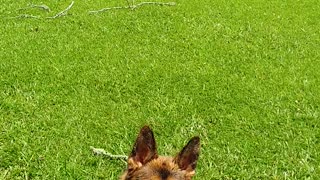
(188, 156)
(144, 149)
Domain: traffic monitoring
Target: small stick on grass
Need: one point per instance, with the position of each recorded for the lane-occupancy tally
(41, 6)
(62, 13)
(154, 3)
(133, 6)
(98, 151)
(110, 8)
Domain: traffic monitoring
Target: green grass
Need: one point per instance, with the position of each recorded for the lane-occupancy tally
(244, 75)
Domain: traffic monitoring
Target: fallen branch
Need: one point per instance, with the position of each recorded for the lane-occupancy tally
(133, 6)
(98, 151)
(110, 8)
(154, 3)
(62, 13)
(41, 6)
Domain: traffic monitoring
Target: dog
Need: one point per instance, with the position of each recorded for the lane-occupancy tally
(144, 163)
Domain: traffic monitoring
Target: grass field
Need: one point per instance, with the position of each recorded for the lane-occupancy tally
(243, 75)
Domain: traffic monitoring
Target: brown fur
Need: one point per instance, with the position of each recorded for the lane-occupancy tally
(144, 163)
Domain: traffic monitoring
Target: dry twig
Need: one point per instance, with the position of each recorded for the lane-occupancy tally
(133, 6)
(110, 8)
(41, 6)
(98, 151)
(154, 3)
(62, 13)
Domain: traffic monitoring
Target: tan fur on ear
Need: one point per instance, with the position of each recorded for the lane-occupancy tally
(188, 156)
(144, 149)
(132, 167)
(145, 164)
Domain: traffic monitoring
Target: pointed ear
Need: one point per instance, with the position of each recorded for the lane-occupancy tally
(188, 156)
(144, 149)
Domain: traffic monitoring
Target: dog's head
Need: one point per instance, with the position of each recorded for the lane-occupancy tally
(145, 163)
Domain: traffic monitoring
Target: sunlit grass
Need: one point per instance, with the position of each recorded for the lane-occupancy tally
(243, 75)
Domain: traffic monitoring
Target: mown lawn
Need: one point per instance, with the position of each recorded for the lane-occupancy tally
(244, 75)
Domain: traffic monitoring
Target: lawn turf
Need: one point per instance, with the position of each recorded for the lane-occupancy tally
(244, 75)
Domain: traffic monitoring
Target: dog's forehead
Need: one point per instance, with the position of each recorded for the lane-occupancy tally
(163, 168)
